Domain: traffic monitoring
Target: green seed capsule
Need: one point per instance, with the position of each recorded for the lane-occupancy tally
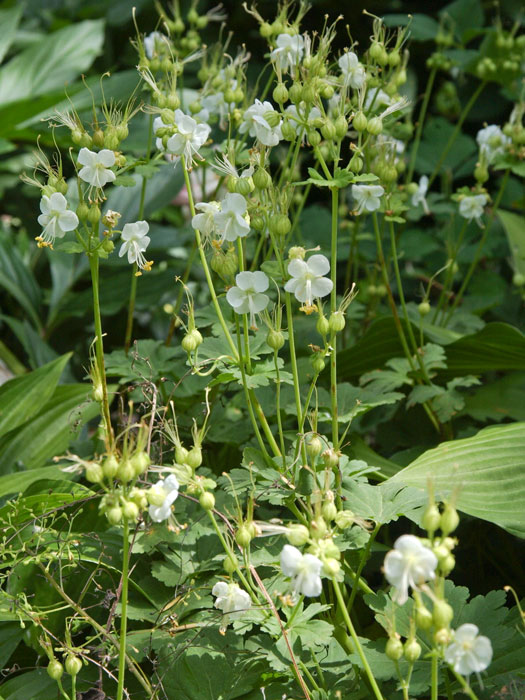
(194, 457)
(360, 121)
(442, 614)
(412, 650)
(73, 665)
(375, 126)
(55, 670)
(110, 466)
(449, 519)
(94, 473)
(207, 500)
(280, 93)
(394, 649)
(275, 339)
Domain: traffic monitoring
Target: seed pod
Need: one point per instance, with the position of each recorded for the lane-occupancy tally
(314, 446)
(280, 93)
(424, 309)
(394, 649)
(191, 341)
(244, 185)
(125, 471)
(314, 137)
(328, 130)
(318, 528)
(173, 101)
(360, 121)
(94, 473)
(243, 536)
(442, 614)
(275, 339)
(110, 466)
(229, 565)
(194, 457)
(55, 669)
(297, 534)
(279, 224)
(424, 619)
(73, 664)
(337, 321)
(262, 180)
(140, 462)
(375, 126)
(180, 454)
(317, 362)
(341, 126)
(431, 517)
(114, 515)
(412, 650)
(130, 510)
(449, 519)
(94, 214)
(331, 567)
(329, 511)
(330, 458)
(207, 500)
(108, 246)
(98, 138)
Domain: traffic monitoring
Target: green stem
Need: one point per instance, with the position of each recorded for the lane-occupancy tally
(356, 641)
(99, 349)
(124, 609)
(420, 122)
(205, 267)
(333, 339)
(364, 558)
(434, 678)
(456, 131)
(278, 406)
(466, 687)
(479, 249)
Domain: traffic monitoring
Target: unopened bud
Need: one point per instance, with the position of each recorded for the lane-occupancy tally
(442, 614)
(55, 670)
(375, 126)
(94, 473)
(360, 121)
(207, 500)
(130, 510)
(275, 339)
(73, 665)
(449, 519)
(431, 518)
(194, 457)
(394, 649)
(110, 466)
(191, 341)
(337, 321)
(412, 650)
(297, 534)
(331, 567)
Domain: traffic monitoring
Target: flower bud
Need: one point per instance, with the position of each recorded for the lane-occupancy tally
(94, 214)
(125, 471)
(424, 618)
(111, 140)
(360, 121)
(272, 118)
(275, 339)
(55, 669)
(375, 126)
(424, 309)
(481, 173)
(82, 211)
(329, 511)
(107, 245)
(317, 362)
(344, 519)
(73, 665)
(447, 564)
(279, 224)
(194, 457)
(262, 179)
(288, 131)
(412, 650)
(98, 138)
(244, 185)
(442, 636)
(323, 326)
(318, 528)
(341, 126)
(314, 137)
(94, 473)
(331, 567)
(442, 614)
(394, 649)
(173, 101)
(156, 495)
(243, 536)
(327, 92)
(280, 93)
(229, 565)
(518, 280)
(114, 515)
(130, 510)
(449, 519)
(139, 497)
(207, 500)
(140, 462)
(431, 518)
(328, 130)
(191, 341)
(110, 466)
(180, 454)
(314, 446)
(330, 458)
(337, 321)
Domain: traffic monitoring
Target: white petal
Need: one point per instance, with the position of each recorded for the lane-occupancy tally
(220, 589)
(260, 281)
(106, 157)
(68, 221)
(236, 298)
(297, 268)
(318, 265)
(259, 302)
(57, 202)
(86, 157)
(291, 558)
(321, 287)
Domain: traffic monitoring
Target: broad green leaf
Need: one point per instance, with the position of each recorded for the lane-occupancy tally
(464, 14)
(18, 280)
(22, 397)
(19, 481)
(50, 431)
(361, 450)
(502, 398)
(485, 470)
(435, 137)
(9, 20)
(39, 352)
(421, 27)
(515, 230)
(382, 503)
(52, 62)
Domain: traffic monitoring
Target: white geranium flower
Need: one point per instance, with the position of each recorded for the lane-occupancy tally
(472, 207)
(96, 166)
(470, 652)
(56, 219)
(153, 43)
(257, 126)
(307, 280)
(420, 197)
(246, 296)
(230, 221)
(376, 98)
(135, 243)
(295, 122)
(289, 51)
(409, 564)
(205, 222)
(159, 124)
(231, 599)
(353, 72)
(189, 138)
(170, 486)
(303, 569)
(492, 142)
(368, 197)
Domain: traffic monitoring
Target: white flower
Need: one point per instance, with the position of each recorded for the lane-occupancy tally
(289, 51)
(376, 98)
(230, 221)
(246, 296)
(257, 126)
(135, 243)
(231, 599)
(472, 207)
(470, 652)
(171, 488)
(205, 222)
(353, 72)
(159, 124)
(419, 197)
(304, 570)
(56, 219)
(295, 122)
(153, 42)
(307, 278)
(492, 142)
(95, 170)
(189, 138)
(410, 563)
(368, 197)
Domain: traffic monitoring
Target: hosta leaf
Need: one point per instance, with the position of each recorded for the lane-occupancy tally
(22, 397)
(486, 470)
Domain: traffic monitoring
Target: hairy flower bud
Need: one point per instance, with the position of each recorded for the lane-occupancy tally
(275, 339)
(442, 614)
(194, 457)
(73, 665)
(191, 341)
(94, 473)
(55, 670)
(449, 519)
(412, 650)
(394, 649)
(207, 500)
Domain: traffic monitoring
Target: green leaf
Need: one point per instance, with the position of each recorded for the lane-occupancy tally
(9, 20)
(22, 397)
(421, 27)
(382, 503)
(17, 279)
(486, 470)
(49, 432)
(19, 481)
(124, 181)
(53, 61)
(502, 398)
(464, 14)
(69, 247)
(353, 401)
(513, 225)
